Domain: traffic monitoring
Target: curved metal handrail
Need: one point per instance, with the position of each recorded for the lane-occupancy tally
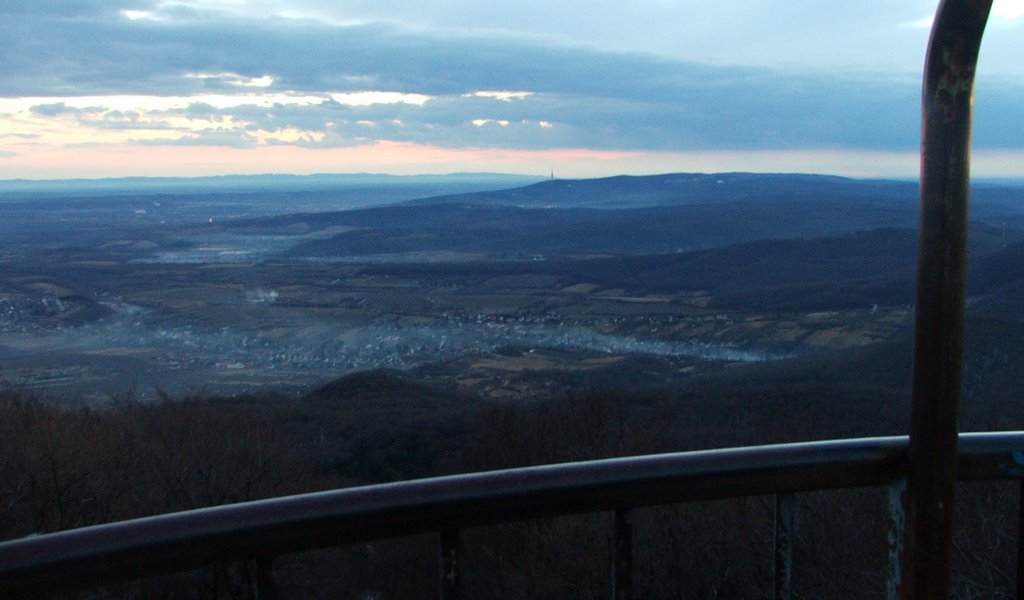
(946, 111)
(268, 528)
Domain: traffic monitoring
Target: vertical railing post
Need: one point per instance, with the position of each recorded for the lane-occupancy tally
(450, 585)
(894, 538)
(622, 548)
(783, 542)
(942, 266)
(266, 586)
(1020, 542)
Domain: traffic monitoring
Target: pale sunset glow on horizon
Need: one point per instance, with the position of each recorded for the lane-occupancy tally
(144, 87)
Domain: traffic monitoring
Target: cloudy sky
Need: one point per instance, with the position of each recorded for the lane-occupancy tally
(107, 88)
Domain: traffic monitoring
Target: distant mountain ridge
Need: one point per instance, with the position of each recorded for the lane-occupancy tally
(507, 231)
(626, 191)
(627, 216)
(250, 183)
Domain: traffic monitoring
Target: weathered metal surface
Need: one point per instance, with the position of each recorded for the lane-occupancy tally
(945, 160)
(783, 563)
(622, 561)
(268, 528)
(450, 584)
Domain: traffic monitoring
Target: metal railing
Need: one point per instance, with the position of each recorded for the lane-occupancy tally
(922, 470)
(946, 110)
(262, 530)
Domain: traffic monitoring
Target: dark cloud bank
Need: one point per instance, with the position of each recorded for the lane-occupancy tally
(595, 99)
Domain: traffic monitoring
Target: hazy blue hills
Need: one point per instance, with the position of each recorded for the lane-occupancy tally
(628, 215)
(507, 231)
(854, 270)
(626, 191)
(85, 211)
(684, 188)
(768, 242)
(258, 183)
(997, 284)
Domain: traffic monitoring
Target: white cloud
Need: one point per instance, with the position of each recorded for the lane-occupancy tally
(248, 72)
(1008, 9)
(263, 81)
(504, 96)
(289, 135)
(156, 103)
(922, 23)
(370, 98)
(139, 15)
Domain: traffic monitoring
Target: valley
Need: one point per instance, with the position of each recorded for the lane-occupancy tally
(150, 367)
(498, 299)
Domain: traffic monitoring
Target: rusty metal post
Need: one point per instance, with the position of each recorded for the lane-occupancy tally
(942, 266)
(622, 547)
(450, 588)
(783, 558)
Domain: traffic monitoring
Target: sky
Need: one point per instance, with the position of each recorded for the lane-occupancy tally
(113, 88)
